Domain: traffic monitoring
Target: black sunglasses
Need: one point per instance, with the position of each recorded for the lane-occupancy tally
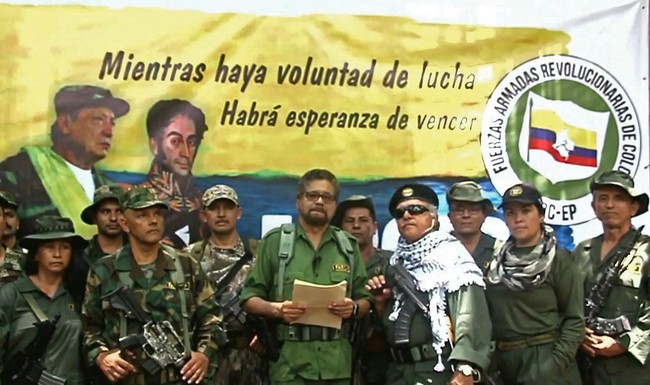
(412, 209)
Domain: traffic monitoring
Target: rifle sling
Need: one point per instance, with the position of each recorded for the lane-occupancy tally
(38, 312)
(232, 272)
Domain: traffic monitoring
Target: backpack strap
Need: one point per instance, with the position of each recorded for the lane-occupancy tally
(33, 305)
(178, 277)
(287, 240)
(345, 245)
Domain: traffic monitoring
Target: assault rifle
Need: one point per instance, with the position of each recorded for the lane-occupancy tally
(158, 340)
(25, 368)
(397, 275)
(595, 302)
(603, 288)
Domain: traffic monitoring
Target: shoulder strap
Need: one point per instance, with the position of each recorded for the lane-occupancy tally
(178, 277)
(346, 247)
(38, 312)
(232, 272)
(198, 250)
(287, 239)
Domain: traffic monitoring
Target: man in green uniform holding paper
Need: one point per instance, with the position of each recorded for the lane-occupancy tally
(61, 179)
(435, 315)
(618, 325)
(316, 252)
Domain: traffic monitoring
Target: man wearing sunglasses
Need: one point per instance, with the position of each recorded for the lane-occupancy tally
(318, 253)
(435, 315)
(468, 209)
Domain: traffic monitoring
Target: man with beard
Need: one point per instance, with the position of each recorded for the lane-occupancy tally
(356, 215)
(227, 258)
(11, 262)
(175, 129)
(60, 180)
(315, 252)
(467, 212)
(618, 353)
(440, 294)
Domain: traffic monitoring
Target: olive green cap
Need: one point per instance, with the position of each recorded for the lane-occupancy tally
(361, 201)
(50, 227)
(102, 193)
(8, 199)
(468, 191)
(624, 181)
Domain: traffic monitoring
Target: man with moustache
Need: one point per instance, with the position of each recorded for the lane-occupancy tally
(227, 258)
(104, 213)
(175, 128)
(447, 337)
(60, 180)
(321, 254)
(169, 285)
(11, 262)
(622, 356)
(468, 209)
(356, 215)
(12, 223)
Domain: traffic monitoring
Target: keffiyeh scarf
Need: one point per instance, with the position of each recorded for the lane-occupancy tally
(525, 272)
(439, 264)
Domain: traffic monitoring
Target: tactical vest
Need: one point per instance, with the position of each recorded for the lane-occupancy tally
(178, 278)
(285, 253)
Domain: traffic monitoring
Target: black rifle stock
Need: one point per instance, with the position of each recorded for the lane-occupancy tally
(24, 367)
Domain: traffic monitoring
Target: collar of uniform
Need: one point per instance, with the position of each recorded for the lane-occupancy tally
(327, 235)
(595, 249)
(25, 285)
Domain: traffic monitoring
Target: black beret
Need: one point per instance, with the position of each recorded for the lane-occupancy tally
(412, 191)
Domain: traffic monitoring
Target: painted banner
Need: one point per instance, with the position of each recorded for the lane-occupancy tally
(380, 93)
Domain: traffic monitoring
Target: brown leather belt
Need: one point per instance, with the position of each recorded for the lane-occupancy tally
(539, 339)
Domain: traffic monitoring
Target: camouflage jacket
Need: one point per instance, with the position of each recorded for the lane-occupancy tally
(159, 297)
(11, 269)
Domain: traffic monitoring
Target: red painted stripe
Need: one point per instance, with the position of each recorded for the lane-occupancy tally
(537, 144)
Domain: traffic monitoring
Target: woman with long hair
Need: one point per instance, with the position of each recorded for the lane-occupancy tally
(39, 301)
(535, 296)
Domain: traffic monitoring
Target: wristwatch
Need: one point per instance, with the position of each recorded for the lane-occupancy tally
(355, 310)
(468, 370)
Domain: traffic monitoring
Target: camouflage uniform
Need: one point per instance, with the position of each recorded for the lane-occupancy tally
(11, 268)
(158, 294)
(237, 363)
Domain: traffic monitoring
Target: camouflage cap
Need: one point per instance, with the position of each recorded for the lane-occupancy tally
(140, 198)
(219, 191)
(8, 199)
(624, 181)
(352, 201)
(468, 191)
(76, 97)
(102, 193)
(50, 227)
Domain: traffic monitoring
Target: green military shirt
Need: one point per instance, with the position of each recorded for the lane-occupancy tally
(11, 268)
(63, 355)
(325, 265)
(485, 250)
(159, 297)
(630, 297)
(554, 306)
